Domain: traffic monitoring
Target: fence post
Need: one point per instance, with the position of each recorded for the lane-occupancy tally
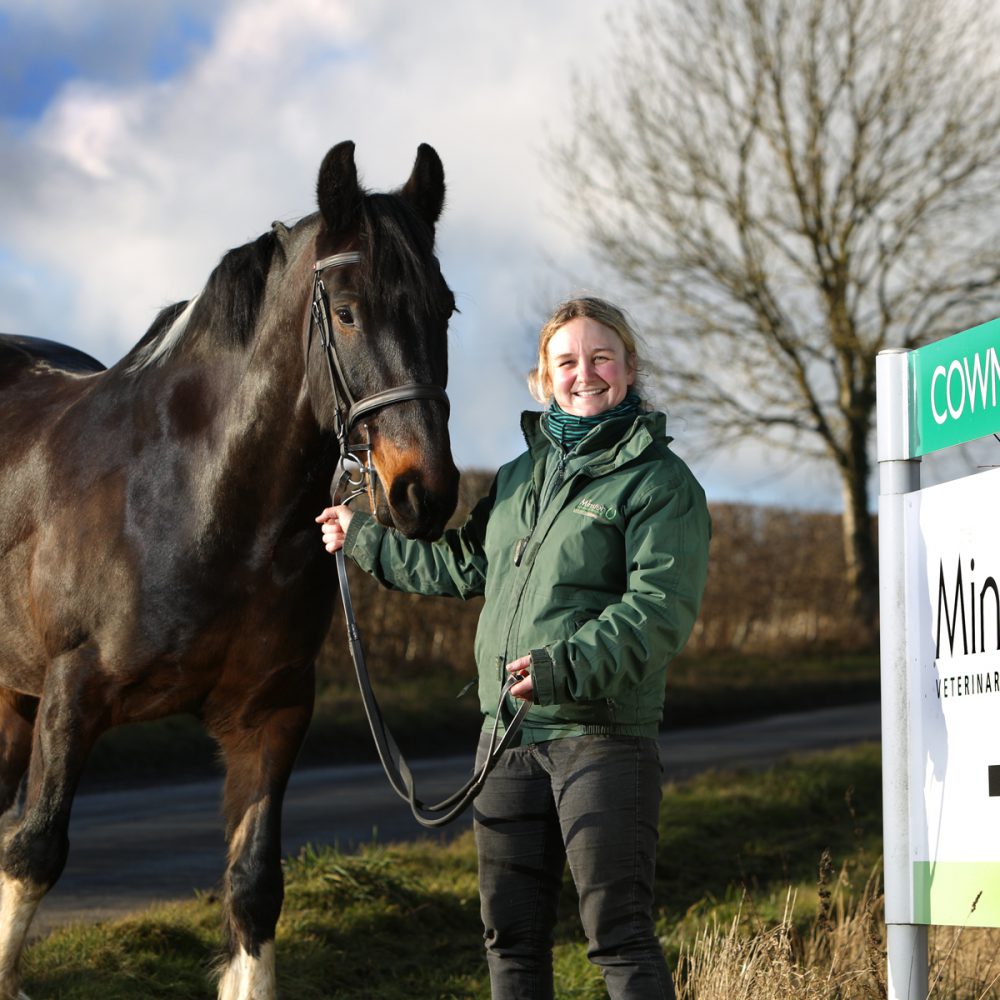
(906, 943)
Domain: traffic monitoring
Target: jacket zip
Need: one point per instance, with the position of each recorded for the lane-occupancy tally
(549, 491)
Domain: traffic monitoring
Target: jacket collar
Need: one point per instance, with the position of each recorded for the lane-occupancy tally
(606, 447)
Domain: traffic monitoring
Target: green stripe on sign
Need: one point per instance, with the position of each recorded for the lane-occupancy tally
(958, 893)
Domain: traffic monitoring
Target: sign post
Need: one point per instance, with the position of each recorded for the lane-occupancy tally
(899, 475)
(940, 649)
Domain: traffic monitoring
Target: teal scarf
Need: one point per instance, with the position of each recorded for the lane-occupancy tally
(569, 430)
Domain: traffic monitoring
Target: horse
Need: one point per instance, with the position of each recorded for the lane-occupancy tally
(158, 551)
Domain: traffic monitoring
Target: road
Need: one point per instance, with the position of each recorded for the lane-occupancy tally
(134, 847)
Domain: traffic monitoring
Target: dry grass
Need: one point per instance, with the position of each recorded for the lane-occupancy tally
(965, 963)
(840, 957)
(727, 963)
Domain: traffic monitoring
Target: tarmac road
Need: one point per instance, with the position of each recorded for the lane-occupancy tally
(134, 847)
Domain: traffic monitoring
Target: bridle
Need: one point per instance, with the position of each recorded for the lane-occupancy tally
(349, 411)
(356, 480)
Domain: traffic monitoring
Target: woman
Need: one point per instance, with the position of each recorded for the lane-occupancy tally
(591, 550)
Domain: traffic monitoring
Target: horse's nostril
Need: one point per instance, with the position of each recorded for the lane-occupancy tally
(420, 508)
(408, 497)
(417, 497)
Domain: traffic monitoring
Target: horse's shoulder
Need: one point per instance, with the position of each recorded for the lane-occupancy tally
(21, 354)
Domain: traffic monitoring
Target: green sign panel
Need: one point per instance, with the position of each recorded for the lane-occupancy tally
(958, 893)
(955, 386)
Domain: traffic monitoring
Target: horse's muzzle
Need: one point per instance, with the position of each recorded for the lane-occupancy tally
(420, 503)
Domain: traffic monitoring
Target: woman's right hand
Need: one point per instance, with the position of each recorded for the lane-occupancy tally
(335, 522)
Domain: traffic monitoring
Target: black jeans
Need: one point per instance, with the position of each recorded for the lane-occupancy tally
(592, 801)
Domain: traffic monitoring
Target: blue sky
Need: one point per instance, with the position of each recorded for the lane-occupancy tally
(141, 141)
(115, 44)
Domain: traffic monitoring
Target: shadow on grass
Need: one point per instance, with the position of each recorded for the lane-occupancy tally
(759, 832)
(163, 955)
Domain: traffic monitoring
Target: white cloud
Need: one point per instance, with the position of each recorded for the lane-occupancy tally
(124, 193)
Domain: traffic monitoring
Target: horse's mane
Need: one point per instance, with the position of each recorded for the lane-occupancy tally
(231, 298)
(229, 303)
(397, 247)
(164, 320)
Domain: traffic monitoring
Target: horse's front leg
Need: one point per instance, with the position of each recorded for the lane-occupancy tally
(260, 739)
(17, 720)
(33, 850)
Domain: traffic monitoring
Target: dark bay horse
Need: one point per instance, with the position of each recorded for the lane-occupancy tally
(158, 552)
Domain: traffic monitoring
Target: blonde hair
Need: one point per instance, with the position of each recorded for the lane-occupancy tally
(585, 307)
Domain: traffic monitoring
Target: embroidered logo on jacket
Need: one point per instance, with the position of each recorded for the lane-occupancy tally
(598, 511)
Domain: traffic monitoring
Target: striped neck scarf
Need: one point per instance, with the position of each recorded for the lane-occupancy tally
(569, 429)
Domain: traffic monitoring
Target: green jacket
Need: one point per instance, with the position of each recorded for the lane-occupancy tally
(594, 561)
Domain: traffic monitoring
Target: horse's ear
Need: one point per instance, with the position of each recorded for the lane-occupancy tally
(425, 188)
(338, 193)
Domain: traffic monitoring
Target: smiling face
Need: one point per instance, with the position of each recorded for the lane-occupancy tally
(588, 368)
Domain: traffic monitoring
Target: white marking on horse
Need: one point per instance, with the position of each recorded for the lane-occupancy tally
(250, 978)
(251, 820)
(18, 902)
(165, 345)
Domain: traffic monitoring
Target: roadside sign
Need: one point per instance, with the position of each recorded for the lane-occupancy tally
(939, 610)
(953, 677)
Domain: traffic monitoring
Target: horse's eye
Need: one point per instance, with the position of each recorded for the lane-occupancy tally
(345, 316)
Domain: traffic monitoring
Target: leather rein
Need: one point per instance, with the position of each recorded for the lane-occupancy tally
(357, 479)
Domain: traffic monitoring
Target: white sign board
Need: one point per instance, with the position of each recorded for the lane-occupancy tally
(953, 656)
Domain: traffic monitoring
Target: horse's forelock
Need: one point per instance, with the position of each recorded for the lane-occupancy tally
(399, 270)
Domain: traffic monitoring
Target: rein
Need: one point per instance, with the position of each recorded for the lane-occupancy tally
(356, 480)
(393, 763)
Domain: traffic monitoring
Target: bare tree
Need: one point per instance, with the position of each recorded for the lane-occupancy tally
(789, 187)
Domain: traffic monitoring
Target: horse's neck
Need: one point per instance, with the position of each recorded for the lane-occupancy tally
(238, 424)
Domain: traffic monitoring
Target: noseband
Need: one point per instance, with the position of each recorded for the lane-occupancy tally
(358, 473)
